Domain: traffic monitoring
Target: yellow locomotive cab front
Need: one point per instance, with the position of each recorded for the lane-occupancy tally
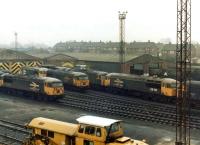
(168, 87)
(106, 82)
(54, 88)
(1, 82)
(81, 82)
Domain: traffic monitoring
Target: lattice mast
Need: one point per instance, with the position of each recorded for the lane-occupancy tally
(15, 41)
(122, 17)
(183, 72)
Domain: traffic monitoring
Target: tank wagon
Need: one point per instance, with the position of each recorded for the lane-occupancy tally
(90, 130)
(41, 88)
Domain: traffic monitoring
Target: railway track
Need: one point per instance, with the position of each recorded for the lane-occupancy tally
(126, 108)
(12, 133)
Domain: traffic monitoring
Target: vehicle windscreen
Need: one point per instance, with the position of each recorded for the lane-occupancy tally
(173, 85)
(113, 128)
(83, 78)
(55, 84)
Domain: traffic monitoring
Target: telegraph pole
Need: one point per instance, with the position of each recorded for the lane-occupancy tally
(122, 17)
(183, 72)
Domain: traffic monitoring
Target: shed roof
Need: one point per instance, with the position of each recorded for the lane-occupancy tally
(96, 121)
(8, 54)
(60, 56)
(145, 58)
(54, 125)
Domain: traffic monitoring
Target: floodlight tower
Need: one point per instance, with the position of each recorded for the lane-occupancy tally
(122, 17)
(15, 40)
(183, 72)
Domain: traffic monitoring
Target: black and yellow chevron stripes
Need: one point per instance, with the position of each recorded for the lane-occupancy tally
(5, 66)
(15, 67)
(33, 63)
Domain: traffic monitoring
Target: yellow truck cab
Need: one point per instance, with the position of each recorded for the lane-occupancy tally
(94, 130)
(90, 130)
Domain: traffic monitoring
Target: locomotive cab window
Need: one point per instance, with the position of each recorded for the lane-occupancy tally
(81, 129)
(98, 77)
(51, 134)
(107, 78)
(54, 84)
(8, 80)
(113, 128)
(89, 130)
(98, 132)
(44, 132)
(83, 78)
(103, 77)
(173, 85)
(87, 142)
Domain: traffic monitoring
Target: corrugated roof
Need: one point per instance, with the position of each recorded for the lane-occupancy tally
(8, 54)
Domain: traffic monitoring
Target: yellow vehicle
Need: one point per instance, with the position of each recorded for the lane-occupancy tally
(168, 87)
(90, 130)
(1, 82)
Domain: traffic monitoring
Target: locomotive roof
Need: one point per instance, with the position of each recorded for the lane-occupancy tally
(194, 82)
(132, 76)
(96, 121)
(74, 73)
(127, 76)
(54, 125)
(97, 72)
(169, 80)
(37, 68)
(77, 73)
(121, 74)
(45, 79)
(49, 79)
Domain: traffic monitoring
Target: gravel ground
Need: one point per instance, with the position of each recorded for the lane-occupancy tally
(22, 110)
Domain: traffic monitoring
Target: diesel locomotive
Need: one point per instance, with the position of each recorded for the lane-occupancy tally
(40, 88)
(98, 79)
(143, 86)
(70, 79)
(76, 80)
(90, 130)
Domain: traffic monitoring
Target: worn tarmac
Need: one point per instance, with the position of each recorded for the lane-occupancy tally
(22, 110)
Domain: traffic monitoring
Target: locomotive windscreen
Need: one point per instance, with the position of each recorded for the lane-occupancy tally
(153, 83)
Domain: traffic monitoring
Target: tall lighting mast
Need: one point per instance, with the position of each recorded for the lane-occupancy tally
(15, 40)
(183, 72)
(122, 17)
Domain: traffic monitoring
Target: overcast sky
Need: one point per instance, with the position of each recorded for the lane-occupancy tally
(51, 21)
